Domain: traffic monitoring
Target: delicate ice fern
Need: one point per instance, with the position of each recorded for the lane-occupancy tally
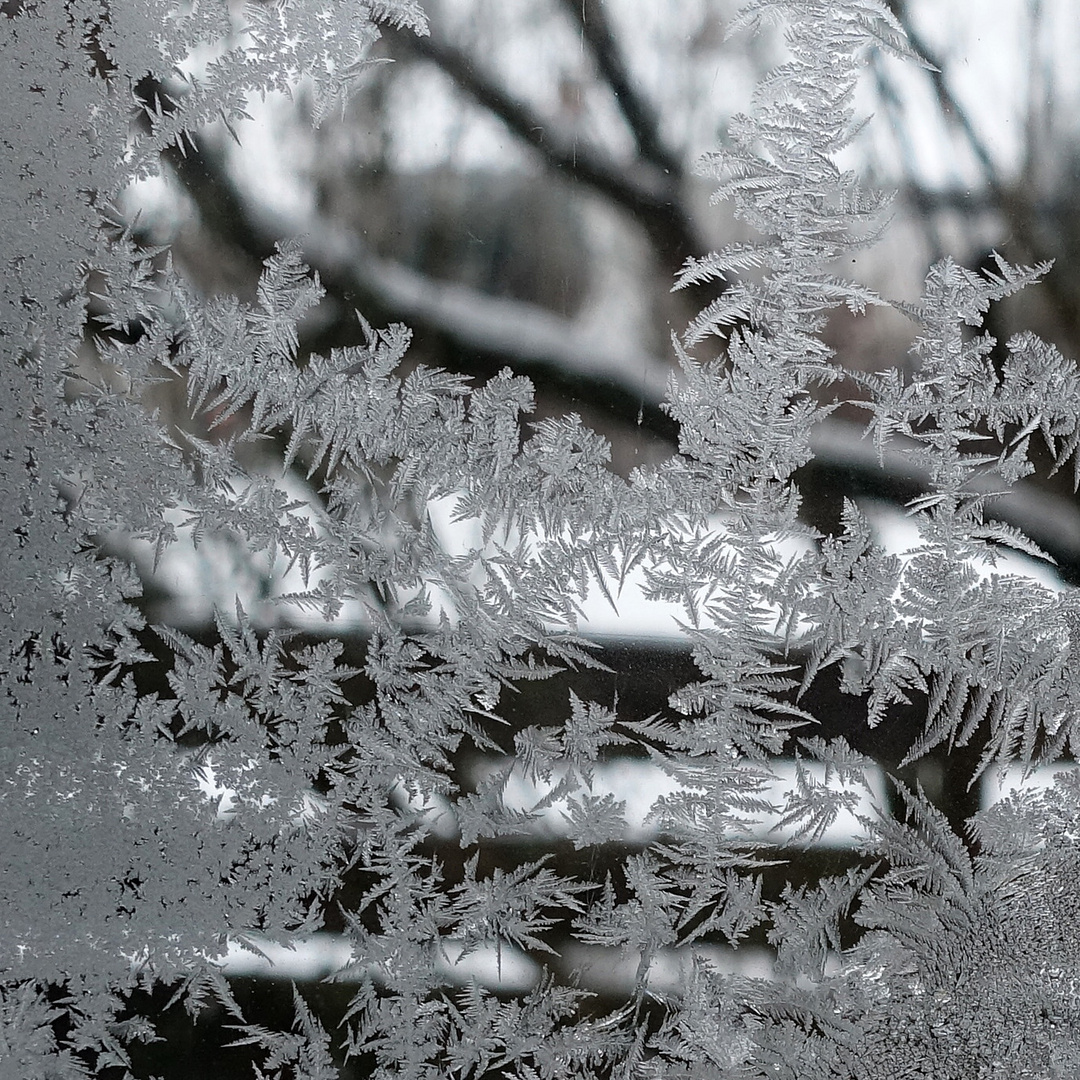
(936, 952)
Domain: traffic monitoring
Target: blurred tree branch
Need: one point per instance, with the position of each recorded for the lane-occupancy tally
(1017, 203)
(628, 386)
(638, 112)
(648, 190)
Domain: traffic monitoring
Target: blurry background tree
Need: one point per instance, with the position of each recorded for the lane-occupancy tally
(536, 215)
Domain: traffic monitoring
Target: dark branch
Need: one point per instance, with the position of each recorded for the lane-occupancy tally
(651, 195)
(549, 348)
(1016, 202)
(950, 105)
(611, 63)
(625, 384)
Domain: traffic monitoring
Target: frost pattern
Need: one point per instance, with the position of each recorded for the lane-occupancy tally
(945, 949)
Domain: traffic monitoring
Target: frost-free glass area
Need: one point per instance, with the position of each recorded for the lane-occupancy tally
(433, 645)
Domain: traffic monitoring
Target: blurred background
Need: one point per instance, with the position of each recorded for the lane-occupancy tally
(519, 188)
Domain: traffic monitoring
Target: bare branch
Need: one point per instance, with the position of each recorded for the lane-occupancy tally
(535, 340)
(847, 465)
(642, 188)
(950, 104)
(626, 384)
(1016, 201)
(611, 63)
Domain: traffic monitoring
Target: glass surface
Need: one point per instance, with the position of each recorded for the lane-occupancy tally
(412, 597)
